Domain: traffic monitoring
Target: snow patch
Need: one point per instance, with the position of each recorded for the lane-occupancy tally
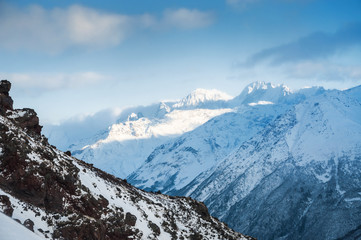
(260, 103)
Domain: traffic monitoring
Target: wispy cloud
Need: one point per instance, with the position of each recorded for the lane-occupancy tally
(37, 29)
(323, 71)
(187, 18)
(52, 31)
(318, 45)
(53, 81)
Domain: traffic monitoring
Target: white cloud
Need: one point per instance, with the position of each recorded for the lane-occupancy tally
(37, 29)
(52, 31)
(187, 19)
(87, 26)
(53, 81)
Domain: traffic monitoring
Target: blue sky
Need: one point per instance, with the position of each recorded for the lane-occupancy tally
(68, 58)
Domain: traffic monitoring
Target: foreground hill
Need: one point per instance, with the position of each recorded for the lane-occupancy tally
(58, 196)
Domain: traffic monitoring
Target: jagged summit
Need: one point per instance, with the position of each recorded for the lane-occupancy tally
(262, 92)
(252, 87)
(202, 96)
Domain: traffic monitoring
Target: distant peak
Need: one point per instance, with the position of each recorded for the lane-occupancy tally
(201, 96)
(262, 92)
(261, 85)
(258, 85)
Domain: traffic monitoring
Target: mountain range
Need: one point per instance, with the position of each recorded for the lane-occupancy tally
(57, 196)
(271, 162)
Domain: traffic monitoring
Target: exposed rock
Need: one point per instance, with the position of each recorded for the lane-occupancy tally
(29, 224)
(5, 87)
(6, 103)
(27, 119)
(154, 227)
(5, 205)
(130, 219)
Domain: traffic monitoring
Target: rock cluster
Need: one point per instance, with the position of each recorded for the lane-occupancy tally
(26, 118)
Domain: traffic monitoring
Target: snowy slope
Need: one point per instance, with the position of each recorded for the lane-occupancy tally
(299, 178)
(61, 197)
(10, 230)
(173, 165)
(126, 144)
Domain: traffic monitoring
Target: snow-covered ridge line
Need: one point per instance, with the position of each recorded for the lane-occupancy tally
(126, 144)
(200, 96)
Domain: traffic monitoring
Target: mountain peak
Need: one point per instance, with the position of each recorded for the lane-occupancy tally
(200, 96)
(262, 91)
(261, 85)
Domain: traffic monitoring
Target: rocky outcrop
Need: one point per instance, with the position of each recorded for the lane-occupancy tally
(5, 205)
(6, 102)
(26, 118)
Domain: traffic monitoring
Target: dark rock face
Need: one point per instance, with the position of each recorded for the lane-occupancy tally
(130, 219)
(5, 205)
(6, 103)
(5, 87)
(28, 119)
(29, 224)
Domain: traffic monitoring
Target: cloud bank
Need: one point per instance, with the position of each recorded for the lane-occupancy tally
(52, 31)
(318, 45)
(53, 81)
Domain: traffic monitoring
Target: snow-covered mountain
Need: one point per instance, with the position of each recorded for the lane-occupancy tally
(277, 164)
(298, 178)
(261, 92)
(174, 164)
(58, 196)
(286, 170)
(125, 145)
